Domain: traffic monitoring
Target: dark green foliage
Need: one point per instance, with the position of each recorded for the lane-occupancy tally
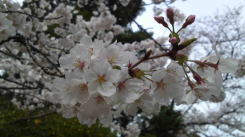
(166, 124)
(126, 14)
(15, 123)
(129, 36)
(51, 30)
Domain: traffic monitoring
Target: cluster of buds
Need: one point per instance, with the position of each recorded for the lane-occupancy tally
(170, 15)
(174, 37)
(201, 80)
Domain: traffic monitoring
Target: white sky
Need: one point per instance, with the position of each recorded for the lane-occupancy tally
(200, 8)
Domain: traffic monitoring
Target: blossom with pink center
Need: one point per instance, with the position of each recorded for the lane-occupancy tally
(95, 108)
(79, 57)
(165, 87)
(128, 89)
(101, 78)
(70, 91)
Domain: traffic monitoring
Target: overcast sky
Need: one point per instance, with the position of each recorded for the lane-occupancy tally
(200, 8)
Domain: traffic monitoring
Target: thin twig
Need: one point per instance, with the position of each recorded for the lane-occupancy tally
(32, 16)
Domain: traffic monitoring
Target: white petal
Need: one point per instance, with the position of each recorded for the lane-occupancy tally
(131, 109)
(93, 87)
(90, 76)
(86, 40)
(106, 89)
(113, 76)
(228, 65)
(100, 67)
(158, 75)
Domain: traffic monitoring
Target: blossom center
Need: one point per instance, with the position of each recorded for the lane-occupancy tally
(83, 87)
(101, 79)
(160, 84)
(121, 85)
(99, 99)
(80, 64)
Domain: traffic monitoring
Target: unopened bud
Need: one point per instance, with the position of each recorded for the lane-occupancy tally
(173, 40)
(189, 20)
(170, 15)
(160, 20)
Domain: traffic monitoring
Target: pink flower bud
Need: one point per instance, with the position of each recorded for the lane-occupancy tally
(189, 20)
(173, 40)
(170, 15)
(161, 20)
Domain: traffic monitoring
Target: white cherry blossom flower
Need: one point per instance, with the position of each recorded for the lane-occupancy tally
(101, 78)
(95, 108)
(165, 87)
(115, 55)
(71, 91)
(225, 65)
(211, 86)
(128, 89)
(144, 102)
(208, 91)
(79, 56)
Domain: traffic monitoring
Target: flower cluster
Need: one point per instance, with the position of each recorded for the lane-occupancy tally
(72, 61)
(103, 79)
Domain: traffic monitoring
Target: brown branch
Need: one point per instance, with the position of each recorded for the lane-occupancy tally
(16, 88)
(11, 55)
(20, 84)
(32, 16)
(26, 43)
(157, 43)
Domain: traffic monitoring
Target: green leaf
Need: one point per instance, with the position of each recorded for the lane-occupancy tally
(186, 43)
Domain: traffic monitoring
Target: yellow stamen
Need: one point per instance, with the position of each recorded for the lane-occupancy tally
(83, 87)
(79, 64)
(101, 79)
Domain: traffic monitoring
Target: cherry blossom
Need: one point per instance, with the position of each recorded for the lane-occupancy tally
(76, 63)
